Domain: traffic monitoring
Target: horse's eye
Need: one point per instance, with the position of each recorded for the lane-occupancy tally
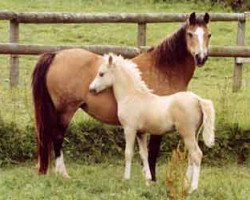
(101, 74)
(190, 34)
(209, 35)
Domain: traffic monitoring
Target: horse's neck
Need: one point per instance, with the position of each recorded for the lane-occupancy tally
(124, 85)
(165, 79)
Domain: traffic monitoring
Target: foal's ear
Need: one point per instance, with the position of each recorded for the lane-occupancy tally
(110, 60)
(206, 18)
(192, 18)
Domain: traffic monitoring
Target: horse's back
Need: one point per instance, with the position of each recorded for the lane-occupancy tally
(186, 109)
(70, 74)
(68, 80)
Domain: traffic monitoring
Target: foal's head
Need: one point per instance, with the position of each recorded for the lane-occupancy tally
(197, 37)
(104, 78)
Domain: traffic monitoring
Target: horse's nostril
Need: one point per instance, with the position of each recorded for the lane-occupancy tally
(197, 56)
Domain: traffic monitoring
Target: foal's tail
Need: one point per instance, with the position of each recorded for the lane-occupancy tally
(207, 108)
(45, 113)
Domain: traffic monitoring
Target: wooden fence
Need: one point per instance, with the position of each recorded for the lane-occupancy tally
(15, 19)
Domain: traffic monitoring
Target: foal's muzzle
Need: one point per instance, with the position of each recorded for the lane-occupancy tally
(93, 90)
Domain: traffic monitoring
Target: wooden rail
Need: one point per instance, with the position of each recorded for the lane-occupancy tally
(43, 17)
(128, 52)
(15, 49)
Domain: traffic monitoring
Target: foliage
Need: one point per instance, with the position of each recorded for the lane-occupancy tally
(91, 141)
(176, 183)
(16, 145)
(236, 5)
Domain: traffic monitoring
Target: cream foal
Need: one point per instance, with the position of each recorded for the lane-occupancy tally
(141, 110)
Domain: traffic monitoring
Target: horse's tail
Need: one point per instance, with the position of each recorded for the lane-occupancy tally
(45, 113)
(208, 111)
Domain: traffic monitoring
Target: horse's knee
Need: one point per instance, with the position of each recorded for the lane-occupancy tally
(128, 154)
(196, 157)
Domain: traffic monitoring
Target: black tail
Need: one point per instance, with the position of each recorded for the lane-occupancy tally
(45, 113)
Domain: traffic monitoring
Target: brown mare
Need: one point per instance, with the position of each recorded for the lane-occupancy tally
(61, 86)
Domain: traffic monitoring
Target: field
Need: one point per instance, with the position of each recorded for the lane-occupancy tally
(102, 180)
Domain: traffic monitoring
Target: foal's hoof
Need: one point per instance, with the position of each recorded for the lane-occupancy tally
(63, 174)
(66, 176)
(191, 190)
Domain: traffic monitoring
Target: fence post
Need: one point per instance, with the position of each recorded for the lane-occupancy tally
(141, 35)
(14, 59)
(240, 41)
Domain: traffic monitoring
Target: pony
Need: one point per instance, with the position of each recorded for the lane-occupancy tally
(139, 110)
(61, 79)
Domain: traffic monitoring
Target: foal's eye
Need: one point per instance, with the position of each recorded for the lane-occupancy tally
(101, 74)
(190, 34)
(209, 35)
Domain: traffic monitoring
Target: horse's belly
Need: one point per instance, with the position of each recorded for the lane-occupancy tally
(156, 124)
(102, 107)
(158, 129)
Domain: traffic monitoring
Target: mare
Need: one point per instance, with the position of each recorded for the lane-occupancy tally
(139, 110)
(60, 85)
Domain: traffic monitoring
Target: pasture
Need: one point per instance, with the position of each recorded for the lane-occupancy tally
(104, 181)
(95, 170)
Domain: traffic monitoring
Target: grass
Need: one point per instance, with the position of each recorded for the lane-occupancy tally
(104, 181)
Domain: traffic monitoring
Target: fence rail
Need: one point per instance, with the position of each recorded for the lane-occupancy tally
(15, 19)
(129, 52)
(44, 17)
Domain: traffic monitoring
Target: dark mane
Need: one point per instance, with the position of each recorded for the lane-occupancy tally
(172, 50)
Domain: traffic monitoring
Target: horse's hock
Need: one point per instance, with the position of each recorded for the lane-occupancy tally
(240, 52)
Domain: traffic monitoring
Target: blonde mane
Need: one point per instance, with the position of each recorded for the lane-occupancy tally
(131, 69)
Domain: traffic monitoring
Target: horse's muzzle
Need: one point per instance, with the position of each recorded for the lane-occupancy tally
(200, 61)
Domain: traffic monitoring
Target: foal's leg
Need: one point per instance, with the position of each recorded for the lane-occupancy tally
(142, 142)
(195, 156)
(58, 137)
(130, 135)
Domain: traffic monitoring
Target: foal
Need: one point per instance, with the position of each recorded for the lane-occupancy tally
(140, 110)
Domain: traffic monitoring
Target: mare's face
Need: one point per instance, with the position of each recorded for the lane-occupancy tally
(198, 36)
(104, 78)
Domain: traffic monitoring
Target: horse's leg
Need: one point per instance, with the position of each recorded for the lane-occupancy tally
(142, 142)
(189, 173)
(154, 147)
(130, 135)
(195, 156)
(58, 137)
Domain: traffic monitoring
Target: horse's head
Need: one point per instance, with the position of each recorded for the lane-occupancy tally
(197, 36)
(104, 78)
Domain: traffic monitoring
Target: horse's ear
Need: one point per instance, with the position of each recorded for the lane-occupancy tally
(110, 60)
(206, 18)
(192, 18)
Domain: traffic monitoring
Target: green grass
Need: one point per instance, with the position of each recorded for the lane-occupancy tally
(104, 181)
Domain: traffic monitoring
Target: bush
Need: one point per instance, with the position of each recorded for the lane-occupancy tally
(91, 141)
(236, 5)
(16, 145)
